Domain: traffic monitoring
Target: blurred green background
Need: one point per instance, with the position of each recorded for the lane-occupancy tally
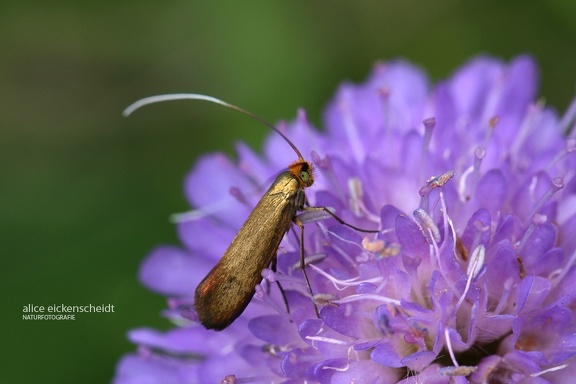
(85, 193)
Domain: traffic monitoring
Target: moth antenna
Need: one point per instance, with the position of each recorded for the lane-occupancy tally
(196, 96)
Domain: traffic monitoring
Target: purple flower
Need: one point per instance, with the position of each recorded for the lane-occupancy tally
(472, 184)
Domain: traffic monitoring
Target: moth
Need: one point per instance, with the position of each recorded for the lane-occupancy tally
(226, 291)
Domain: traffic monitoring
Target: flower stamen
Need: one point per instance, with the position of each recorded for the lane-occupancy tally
(565, 269)
(449, 346)
(343, 284)
(569, 147)
(367, 296)
(356, 201)
(479, 154)
(492, 123)
(327, 340)
(552, 369)
(263, 295)
(274, 277)
(475, 266)
(429, 125)
(458, 371)
(556, 185)
(504, 298)
(432, 183)
(429, 229)
(351, 131)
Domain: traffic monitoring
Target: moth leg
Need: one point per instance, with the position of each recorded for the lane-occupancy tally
(273, 267)
(338, 219)
(303, 262)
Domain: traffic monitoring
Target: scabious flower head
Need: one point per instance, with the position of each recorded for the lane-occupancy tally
(470, 278)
